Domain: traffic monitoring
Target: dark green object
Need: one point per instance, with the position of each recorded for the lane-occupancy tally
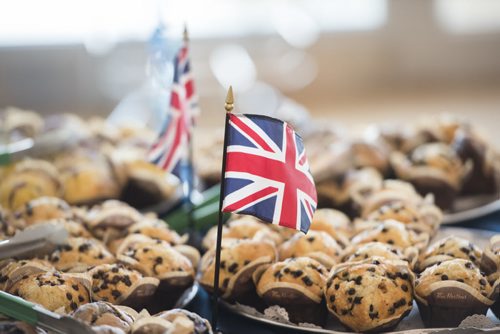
(4, 159)
(204, 214)
(18, 308)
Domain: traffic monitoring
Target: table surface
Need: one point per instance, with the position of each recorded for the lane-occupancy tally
(231, 323)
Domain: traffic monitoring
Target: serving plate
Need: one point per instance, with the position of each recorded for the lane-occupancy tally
(276, 316)
(472, 207)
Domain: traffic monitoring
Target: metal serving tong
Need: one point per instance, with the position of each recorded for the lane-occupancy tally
(33, 241)
(22, 310)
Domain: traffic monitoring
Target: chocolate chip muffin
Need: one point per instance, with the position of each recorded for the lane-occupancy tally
(295, 284)
(55, 291)
(186, 322)
(150, 181)
(42, 209)
(433, 168)
(379, 249)
(111, 220)
(333, 222)
(448, 249)
(410, 215)
(393, 233)
(157, 229)
(80, 253)
(369, 154)
(449, 292)
(239, 260)
(12, 271)
(118, 285)
(102, 313)
(315, 244)
(371, 295)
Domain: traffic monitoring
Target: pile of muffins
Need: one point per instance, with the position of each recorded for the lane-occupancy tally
(444, 156)
(103, 162)
(114, 255)
(366, 272)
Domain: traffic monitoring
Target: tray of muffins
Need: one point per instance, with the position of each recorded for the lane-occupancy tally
(84, 162)
(443, 156)
(116, 267)
(390, 268)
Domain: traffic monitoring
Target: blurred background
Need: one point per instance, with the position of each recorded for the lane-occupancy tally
(354, 62)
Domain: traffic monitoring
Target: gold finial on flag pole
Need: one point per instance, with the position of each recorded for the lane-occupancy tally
(185, 34)
(229, 100)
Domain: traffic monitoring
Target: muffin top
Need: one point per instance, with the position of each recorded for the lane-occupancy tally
(156, 229)
(317, 244)
(111, 214)
(389, 231)
(450, 248)
(373, 249)
(113, 282)
(303, 274)
(458, 270)
(53, 290)
(236, 256)
(333, 222)
(102, 313)
(11, 271)
(154, 258)
(365, 295)
(186, 322)
(80, 253)
(41, 209)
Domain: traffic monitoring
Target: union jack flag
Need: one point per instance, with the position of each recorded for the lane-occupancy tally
(267, 173)
(171, 147)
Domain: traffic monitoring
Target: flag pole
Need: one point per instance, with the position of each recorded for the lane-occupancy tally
(215, 298)
(190, 177)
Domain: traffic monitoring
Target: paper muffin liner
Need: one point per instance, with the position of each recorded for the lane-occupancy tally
(140, 294)
(490, 262)
(447, 303)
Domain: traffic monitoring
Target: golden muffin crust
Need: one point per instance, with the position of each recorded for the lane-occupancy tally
(54, 291)
(374, 249)
(112, 281)
(369, 294)
(316, 244)
(459, 270)
(42, 209)
(305, 275)
(333, 222)
(19, 188)
(450, 248)
(154, 258)
(80, 253)
(236, 256)
(390, 232)
(156, 229)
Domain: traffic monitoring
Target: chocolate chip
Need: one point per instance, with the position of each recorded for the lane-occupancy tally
(384, 230)
(223, 264)
(351, 291)
(472, 258)
(358, 280)
(116, 293)
(357, 300)
(69, 296)
(225, 283)
(73, 306)
(145, 249)
(127, 281)
(444, 277)
(95, 289)
(332, 298)
(404, 287)
(373, 315)
(114, 270)
(159, 260)
(310, 239)
(307, 281)
(344, 312)
(482, 281)
(84, 247)
(233, 267)
(337, 286)
(296, 273)
(278, 274)
(100, 256)
(392, 310)
(246, 262)
(390, 242)
(371, 269)
(376, 262)
(468, 265)
(81, 299)
(371, 307)
(465, 250)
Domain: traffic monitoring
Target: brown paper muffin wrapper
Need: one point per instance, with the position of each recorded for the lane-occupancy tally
(140, 294)
(168, 293)
(490, 262)
(449, 302)
(300, 308)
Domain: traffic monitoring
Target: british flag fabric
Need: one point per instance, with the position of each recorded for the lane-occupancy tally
(267, 173)
(171, 147)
